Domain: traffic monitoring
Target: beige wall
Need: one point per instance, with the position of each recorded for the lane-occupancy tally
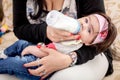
(7, 7)
(113, 10)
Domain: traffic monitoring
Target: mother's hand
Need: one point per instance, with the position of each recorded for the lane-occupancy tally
(57, 35)
(53, 62)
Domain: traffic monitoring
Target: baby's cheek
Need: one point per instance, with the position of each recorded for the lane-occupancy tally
(83, 39)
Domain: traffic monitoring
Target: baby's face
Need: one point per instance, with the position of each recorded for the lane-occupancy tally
(89, 29)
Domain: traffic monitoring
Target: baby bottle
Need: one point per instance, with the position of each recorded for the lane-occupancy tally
(58, 20)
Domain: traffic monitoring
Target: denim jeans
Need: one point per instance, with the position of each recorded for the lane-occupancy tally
(13, 64)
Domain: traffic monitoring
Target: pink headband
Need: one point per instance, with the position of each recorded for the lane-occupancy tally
(103, 31)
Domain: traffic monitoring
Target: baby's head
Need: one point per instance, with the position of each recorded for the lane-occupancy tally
(97, 30)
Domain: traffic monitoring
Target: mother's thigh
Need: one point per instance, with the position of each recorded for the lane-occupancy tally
(94, 69)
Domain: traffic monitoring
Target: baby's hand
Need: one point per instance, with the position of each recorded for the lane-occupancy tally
(34, 50)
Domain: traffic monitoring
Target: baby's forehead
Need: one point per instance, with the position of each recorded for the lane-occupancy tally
(95, 24)
(103, 26)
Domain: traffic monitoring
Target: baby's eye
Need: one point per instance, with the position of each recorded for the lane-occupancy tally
(86, 20)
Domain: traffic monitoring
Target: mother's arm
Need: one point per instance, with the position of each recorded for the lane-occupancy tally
(23, 29)
(34, 32)
(86, 7)
(85, 53)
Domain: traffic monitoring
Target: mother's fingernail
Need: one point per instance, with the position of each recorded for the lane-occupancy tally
(38, 46)
(78, 38)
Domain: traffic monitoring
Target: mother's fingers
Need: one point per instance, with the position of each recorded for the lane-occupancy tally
(34, 63)
(55, 34)
(73, 37)
(63, 33)
(44, 76)
(40, 71)
(47, 50)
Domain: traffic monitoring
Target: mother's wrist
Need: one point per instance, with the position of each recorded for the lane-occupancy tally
(73, 57)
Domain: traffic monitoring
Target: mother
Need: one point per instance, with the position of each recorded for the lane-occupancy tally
(32, 27)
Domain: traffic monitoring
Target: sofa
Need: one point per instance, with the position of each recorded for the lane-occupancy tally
(112, 9)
